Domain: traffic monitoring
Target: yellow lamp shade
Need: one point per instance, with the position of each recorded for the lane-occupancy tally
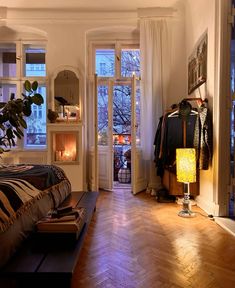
(186, 165)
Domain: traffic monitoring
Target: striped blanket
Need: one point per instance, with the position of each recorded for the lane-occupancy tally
(21, 185)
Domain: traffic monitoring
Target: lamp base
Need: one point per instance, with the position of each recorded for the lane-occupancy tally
(186, 211)
(186, 214)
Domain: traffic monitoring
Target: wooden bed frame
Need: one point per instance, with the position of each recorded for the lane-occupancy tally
(49, 260)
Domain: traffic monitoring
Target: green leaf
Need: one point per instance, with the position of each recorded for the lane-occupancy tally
(29, 100)
(13, 122)
(27, 85)
(23, 123)
(19, 131)
(37, 99)
(5, 118)
(27, 109)
(35, 86)
(9, 133)
(17, 134)
(13, 142)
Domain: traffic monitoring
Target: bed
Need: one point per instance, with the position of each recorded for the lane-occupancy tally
(27, 193)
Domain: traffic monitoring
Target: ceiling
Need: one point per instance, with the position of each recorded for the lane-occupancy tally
(111, 5)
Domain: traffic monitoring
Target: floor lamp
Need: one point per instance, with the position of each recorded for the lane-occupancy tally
(186, 173)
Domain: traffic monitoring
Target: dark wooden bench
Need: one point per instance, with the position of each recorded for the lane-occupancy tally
(45, 260)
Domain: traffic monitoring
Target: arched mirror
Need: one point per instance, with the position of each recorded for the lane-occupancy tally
(66, 94)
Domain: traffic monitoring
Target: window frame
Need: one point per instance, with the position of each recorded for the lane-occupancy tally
(117, 45)
(19, 81)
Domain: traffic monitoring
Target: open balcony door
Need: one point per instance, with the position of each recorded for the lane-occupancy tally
(105, 148)
(138, 170)
(93, 181)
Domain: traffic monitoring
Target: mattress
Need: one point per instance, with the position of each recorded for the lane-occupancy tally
(27, 193)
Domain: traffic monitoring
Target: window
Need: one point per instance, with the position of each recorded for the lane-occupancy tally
(14, 70)
(130, 62)
(36, 124)
(6, 90)
(116, 62)
(105, 59)
(34, 64)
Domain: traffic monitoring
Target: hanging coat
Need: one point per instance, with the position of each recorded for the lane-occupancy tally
(203, 138)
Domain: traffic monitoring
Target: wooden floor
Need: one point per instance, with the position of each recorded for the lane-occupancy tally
(133, 242)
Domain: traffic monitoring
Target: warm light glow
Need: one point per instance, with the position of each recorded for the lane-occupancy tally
(186, 165)
(65, 146)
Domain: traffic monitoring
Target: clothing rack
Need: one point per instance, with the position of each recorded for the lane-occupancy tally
(171, 134)
(198, 99)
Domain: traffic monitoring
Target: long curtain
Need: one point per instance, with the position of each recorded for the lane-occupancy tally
(154, 47)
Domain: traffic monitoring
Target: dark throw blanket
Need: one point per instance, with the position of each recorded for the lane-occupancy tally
(21, 185)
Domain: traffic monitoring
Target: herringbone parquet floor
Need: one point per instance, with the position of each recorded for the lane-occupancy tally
(135, 242)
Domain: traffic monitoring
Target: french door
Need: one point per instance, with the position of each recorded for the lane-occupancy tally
(104, 134)
(138, 173)
(118, 113)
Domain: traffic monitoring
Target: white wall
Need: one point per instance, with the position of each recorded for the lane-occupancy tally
(178, 79)
(201, 18)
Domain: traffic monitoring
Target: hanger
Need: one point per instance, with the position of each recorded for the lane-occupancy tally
(173, 113)
(192, 112)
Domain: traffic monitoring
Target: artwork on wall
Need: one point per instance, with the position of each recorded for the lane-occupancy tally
(197, 65)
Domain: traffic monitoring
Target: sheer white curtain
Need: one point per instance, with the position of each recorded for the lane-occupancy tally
(154, 47)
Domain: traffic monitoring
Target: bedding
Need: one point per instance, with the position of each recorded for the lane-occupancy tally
(27, 193)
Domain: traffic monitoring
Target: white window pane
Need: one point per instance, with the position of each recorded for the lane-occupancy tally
(35, 64)
(7, 60)
(6, 90)
(36, 123)
(130, 62)
(105, 62)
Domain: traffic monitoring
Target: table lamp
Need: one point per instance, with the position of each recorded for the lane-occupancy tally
(186, 173)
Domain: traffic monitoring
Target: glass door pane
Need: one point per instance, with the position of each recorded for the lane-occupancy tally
(103, 115)
(122, 131)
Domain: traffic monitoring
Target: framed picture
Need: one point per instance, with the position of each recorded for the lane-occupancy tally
(197, 65)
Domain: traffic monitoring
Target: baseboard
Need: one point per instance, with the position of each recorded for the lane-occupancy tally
(209, 207)
(226, 223)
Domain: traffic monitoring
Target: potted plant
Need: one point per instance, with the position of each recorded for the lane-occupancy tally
(13, 112)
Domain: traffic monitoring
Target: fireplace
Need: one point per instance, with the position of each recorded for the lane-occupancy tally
(65, 147)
